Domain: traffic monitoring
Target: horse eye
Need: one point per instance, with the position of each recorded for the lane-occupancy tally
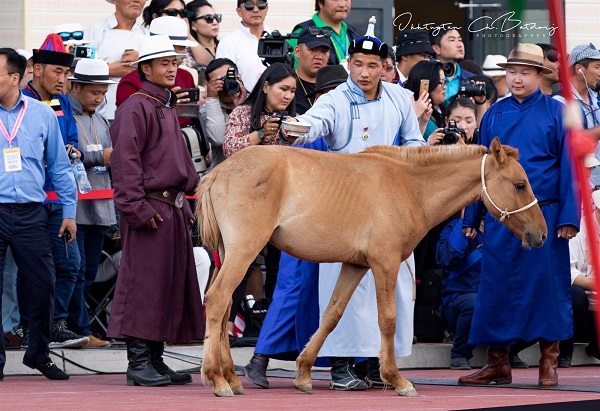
(520, 186)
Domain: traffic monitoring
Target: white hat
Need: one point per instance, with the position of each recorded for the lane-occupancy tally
(92, 71)
(24, 53)
(490, 67)
(174, 27)
(591, 161)
(154, 47)
(71, 28)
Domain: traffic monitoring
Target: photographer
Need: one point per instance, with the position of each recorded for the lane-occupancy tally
(221, 98)
(257, 121)
(462, 120)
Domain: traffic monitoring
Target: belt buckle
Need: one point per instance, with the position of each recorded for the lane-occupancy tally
(179, 199)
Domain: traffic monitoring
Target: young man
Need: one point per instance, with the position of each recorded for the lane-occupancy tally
(525, 294)
(412, 46)
(312, 52)
(550, 82)
(219, 103)
(157, 298)
(90, 83)
(331, 14)
(51, 65)
(360, 113)
(449, 48)
(31, 141)
(240, 46)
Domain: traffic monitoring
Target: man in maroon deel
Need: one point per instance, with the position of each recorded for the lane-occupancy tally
(157, 298)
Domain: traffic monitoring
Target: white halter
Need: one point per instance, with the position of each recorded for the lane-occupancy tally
(503, 213)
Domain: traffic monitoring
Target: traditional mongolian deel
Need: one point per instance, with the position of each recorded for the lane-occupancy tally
(525, 294)
(157, 296)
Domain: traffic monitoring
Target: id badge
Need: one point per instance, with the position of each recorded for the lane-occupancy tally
(12, 159)
(99, 169)
(94, 147)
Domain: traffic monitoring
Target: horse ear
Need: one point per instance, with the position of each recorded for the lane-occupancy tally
(498, 151)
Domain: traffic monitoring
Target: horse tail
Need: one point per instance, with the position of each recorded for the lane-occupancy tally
(207, 221)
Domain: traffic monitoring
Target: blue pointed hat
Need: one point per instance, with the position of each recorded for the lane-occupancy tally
(369, 44)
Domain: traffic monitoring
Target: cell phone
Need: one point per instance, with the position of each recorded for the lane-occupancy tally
(424, 86)
(85, 52)
(193, 94)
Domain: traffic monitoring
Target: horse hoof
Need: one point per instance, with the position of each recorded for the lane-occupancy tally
(408, 392)
(307, 388)
(224, 392)
(239, 390)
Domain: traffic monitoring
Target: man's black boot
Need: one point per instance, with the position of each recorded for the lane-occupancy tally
(256, 370)
(140, 370)
(373, 378)
(343, 377)
(157, 348)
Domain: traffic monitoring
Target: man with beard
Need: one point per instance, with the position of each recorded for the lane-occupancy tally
(157, 297)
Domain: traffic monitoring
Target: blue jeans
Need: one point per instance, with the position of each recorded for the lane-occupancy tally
(457, 316)
(90, 240)
(25, 229)
(66, 265)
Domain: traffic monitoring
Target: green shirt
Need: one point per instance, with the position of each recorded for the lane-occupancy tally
(340, 41)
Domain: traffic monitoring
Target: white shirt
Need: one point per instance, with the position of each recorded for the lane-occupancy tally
(241, 47)
(580, 257)
(110, 44)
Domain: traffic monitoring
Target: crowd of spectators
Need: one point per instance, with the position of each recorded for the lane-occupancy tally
(419, 92)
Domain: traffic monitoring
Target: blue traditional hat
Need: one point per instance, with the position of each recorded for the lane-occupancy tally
(369, 44)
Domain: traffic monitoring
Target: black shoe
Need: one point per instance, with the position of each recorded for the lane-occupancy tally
(373, 378)
(140, 370)
(23, 330)
(592, 351)
(343, 377)
(460, 363)
(256, 370)
(62, 337)
(2, 373)
(517, 362)
(564, 361)
(156, 352)
(48, 368)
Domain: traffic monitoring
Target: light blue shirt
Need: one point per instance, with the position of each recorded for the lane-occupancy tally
(349, 122)
(41, 145)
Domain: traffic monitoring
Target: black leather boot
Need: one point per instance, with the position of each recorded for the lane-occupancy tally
(157, 349)
(373, 378)
(140, 370)
(256, 370)
(343, 377)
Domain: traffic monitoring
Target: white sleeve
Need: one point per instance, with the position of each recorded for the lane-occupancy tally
(321, 116)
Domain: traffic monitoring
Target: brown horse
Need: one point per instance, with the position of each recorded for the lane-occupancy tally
(366, 210)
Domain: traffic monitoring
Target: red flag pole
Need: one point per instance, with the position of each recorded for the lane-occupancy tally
(580, 143)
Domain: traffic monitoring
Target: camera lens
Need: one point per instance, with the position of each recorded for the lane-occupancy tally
(450, 138)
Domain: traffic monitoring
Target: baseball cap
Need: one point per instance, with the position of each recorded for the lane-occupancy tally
(315, 37)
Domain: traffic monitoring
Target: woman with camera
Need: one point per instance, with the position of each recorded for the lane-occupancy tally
(430, 74)
(257, 121)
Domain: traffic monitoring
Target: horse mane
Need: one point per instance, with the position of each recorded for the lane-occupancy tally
(428, 154)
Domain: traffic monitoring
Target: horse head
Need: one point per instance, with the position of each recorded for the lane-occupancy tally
(508, 196)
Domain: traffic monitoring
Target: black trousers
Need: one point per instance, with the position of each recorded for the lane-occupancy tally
(24, 227)
(584, 327)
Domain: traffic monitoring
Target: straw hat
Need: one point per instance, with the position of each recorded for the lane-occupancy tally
(154, 47)
(91, 71)
(527, 54)
(174, 27)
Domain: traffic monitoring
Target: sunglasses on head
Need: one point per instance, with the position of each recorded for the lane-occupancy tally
(210, 18)
(250, 5)
(318, 31)
(71, 35)
(173, 12)
(586, 48)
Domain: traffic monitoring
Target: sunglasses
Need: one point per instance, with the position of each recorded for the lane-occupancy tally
(250, 5)
(317, 31)
(173, 12)
(210, 18)
(71, 35)
(588, 47)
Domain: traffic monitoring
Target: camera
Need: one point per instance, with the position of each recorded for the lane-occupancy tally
(452, 133)
(468, 89)
(274, 48)
(230, 84)
(282, 115)
(449, 69)
(85, 52)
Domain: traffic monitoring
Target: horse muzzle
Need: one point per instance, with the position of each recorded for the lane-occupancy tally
(533, 240)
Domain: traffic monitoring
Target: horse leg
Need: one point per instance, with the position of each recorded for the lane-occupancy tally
(227, 366)
(218, 300)
(347, 282)
(385, 286)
